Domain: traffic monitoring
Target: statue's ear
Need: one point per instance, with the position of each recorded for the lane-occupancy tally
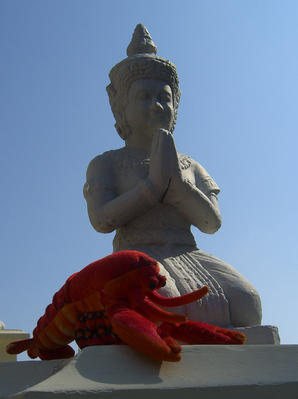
(119, 130)
(112, 93)
(176, 105)
(121, 125)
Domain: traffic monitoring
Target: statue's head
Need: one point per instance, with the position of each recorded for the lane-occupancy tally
(141, 63)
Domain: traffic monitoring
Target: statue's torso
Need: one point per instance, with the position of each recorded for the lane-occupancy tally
(163, 224)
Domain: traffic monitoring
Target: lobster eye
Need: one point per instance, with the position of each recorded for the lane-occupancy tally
(162, 281)
(152, 285)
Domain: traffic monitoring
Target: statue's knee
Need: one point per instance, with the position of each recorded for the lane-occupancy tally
(245, 307)
(244, 300)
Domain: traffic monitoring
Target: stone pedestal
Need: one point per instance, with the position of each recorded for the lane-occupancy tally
(260, 335)
(7, 336)
(205, 372)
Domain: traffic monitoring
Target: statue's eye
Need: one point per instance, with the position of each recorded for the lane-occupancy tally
(143, 95)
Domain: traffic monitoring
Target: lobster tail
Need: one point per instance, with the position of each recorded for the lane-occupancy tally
(29, 345)
(16, 347)
(179, 300)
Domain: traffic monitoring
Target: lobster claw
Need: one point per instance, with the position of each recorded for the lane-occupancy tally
(143, 335)
(195, 332)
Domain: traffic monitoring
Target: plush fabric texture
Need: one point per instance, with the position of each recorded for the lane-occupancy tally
(113, 301)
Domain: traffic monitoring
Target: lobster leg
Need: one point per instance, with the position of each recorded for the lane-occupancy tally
(154, 313)
(194, 332)
(141, 334)
(179, 300)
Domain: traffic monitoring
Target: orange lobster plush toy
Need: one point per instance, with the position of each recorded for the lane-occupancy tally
(113, 301)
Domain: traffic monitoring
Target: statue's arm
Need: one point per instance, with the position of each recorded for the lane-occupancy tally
(191, 194)
(106, 209)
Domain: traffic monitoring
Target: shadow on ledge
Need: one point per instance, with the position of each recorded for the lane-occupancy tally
(139, 369)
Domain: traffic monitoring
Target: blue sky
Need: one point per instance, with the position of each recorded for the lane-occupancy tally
(237, 63)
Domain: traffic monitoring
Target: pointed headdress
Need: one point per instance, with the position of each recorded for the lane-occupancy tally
(142, 62)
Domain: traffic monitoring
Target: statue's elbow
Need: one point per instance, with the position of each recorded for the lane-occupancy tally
(102, 228)
(100, 225)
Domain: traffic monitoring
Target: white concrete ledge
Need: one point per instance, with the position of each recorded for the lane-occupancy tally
(205, 372)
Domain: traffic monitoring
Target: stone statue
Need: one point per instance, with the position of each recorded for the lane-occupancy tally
(151, 195)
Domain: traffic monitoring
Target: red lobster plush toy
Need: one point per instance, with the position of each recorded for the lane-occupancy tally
(113, 301)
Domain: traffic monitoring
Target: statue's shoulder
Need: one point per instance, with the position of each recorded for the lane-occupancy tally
(105, 161)
(101, 172)
(202, 178)
(186, 162)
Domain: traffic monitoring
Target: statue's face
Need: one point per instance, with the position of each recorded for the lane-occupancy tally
(149, 107)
